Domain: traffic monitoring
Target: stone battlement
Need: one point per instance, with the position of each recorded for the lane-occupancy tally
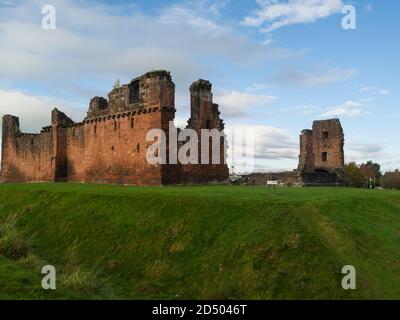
(153, 89)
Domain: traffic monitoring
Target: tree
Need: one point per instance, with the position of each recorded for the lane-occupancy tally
(391, 180)
(372, 170)
(376, 167)
(117, 84)
(354, 174)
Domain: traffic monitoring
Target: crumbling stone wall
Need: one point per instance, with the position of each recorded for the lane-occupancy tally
(328, 138)
(260, 179)
(121, 155)
(306, 163)
(321, 159)
(205, 115)
(26, 157)
(109, 145)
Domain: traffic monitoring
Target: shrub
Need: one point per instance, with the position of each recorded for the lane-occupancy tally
(77, 279)
(74, 277)
(12, 243)
(354, 174)
(391, 180)
(31, 261)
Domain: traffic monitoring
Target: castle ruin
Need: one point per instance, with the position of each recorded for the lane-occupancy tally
(321, 159)
(109, 145)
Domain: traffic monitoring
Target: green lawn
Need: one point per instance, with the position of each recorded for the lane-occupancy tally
(211, 242)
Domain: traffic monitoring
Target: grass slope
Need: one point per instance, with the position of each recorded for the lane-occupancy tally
(214, 242)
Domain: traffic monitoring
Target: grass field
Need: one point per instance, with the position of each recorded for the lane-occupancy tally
(211, 242)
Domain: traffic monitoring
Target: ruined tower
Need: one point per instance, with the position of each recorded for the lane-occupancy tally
(204, 113)
(321, 159)
(205, 120)
(9, 130)
(306, 162)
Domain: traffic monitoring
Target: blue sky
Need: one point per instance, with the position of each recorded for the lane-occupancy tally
(275, 65)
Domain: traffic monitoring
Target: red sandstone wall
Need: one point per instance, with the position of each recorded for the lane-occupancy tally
(333, 145)
(306, 162)
(113, 150)
(326, 137)
(110, 145)
(205, 115)
(26, 157)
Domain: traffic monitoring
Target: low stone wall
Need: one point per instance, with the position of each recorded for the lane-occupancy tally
(320, 179)
(283, 178)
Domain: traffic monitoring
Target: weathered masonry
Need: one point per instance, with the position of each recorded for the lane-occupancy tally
(109, 145)
(321, 159)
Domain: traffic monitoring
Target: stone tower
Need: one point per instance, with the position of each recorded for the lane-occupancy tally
(328, 143)
(306, 162)
(321, 152)
(204, 114)
(9, 130)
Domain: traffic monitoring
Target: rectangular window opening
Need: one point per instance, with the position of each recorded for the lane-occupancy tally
(134, 92)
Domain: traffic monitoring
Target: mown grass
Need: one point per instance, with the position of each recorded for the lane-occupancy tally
(211, 242)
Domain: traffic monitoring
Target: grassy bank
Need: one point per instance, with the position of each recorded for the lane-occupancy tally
(214, 242)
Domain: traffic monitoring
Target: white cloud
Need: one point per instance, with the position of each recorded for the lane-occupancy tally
(274, 148)
(366, 100)
(277, 13)
(305, 109)
(238, 104)
(376, 90)
(215, 7)
(364, 150)
(359, 151)
(268, 40)
(257, 86)
(368, 89)
(35, 111)
(384, 92)
(342, 112)
(348, 109)
(96, 43)
(185, 16)
(275, 144)
(321, 75)
(181, 122)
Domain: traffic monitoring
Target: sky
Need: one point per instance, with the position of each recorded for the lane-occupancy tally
(276, 65)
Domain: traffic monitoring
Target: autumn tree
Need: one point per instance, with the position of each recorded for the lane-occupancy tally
(354, 174)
